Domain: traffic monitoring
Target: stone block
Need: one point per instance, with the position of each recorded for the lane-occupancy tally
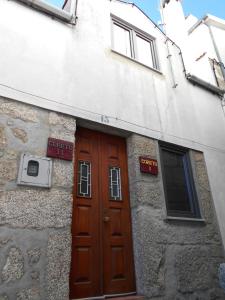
(185, 233)
(8, 169)
(63, 173)
(4, 242)
(58, 267)
(202, 176)
(33, 256)
(29, 294)
(67, 122)
(216, 294)
(141, 146)
(14, 267)
(35, 275)
(35, 208)
(3, 139)
(8, 154)
(147, 193)
(20, 134)
(198, 156)
(150, 269)
(192, 269)
(58, 132)
(18, 110)
(149, 255)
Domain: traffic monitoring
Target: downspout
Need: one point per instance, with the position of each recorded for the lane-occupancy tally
(73, 10)
(175, 84)
(169, 56)
(214, 71)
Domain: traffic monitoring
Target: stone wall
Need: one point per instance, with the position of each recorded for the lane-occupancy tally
(174, 260)
(35, 241)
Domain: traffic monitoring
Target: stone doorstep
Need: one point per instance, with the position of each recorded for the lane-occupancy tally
(134, 297)
(127, 298)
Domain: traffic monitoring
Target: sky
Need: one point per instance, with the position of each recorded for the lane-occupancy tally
(196, 7)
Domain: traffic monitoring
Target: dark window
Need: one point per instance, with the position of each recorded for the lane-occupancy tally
(180, 193)
(84, 179)
(115, 183)
(32, 168)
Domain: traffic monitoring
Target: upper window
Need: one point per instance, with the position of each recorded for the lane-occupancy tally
(218, 72)
(133, 43)
(66, 13)
(180, 193)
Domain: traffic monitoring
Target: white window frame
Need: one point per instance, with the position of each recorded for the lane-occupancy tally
(135, 32)
(66, 14)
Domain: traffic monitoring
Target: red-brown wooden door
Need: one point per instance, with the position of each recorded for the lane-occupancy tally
(102, 258)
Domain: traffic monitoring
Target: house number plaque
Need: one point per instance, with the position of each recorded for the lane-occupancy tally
(60, 149)
(148, 165)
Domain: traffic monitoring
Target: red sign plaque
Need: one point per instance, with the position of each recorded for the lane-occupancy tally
(148, 165)
(60, 149)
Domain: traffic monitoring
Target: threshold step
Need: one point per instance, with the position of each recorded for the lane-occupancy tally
(127, 298)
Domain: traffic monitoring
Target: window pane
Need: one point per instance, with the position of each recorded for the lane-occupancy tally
(121, 40)
(115, 183)
(32, 168)
(175, 182)
(144, 51)
(84, 179)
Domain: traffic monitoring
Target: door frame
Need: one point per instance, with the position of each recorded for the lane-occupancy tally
(131, 231)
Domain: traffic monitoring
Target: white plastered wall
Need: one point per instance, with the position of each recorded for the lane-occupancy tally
(72, 69)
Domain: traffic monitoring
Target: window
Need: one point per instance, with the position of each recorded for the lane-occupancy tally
(84, 179)
(115, 183)
(218, 72)
(122, 40)
(133, 43)
(33, 168)
(50, 7)
(180, 193)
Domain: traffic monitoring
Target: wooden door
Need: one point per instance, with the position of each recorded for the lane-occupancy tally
(102, 259)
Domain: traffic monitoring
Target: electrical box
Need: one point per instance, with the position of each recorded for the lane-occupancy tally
(35, 171)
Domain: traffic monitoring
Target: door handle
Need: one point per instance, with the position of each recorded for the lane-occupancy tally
(106, 219)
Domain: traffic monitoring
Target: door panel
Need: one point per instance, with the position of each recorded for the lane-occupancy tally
(118, 259)
(85, 266)
(102, 259)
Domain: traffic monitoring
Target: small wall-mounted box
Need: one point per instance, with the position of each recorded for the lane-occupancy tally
(35, 171)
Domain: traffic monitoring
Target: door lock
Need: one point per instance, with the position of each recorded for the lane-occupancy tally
(106, 219)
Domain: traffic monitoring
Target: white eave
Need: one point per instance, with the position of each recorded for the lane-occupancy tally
(209, 20)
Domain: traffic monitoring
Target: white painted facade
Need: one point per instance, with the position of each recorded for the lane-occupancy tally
(72, 69)
(207, 35)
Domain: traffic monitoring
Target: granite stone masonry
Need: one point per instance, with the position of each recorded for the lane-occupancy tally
(174, 259)
(35, 222)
